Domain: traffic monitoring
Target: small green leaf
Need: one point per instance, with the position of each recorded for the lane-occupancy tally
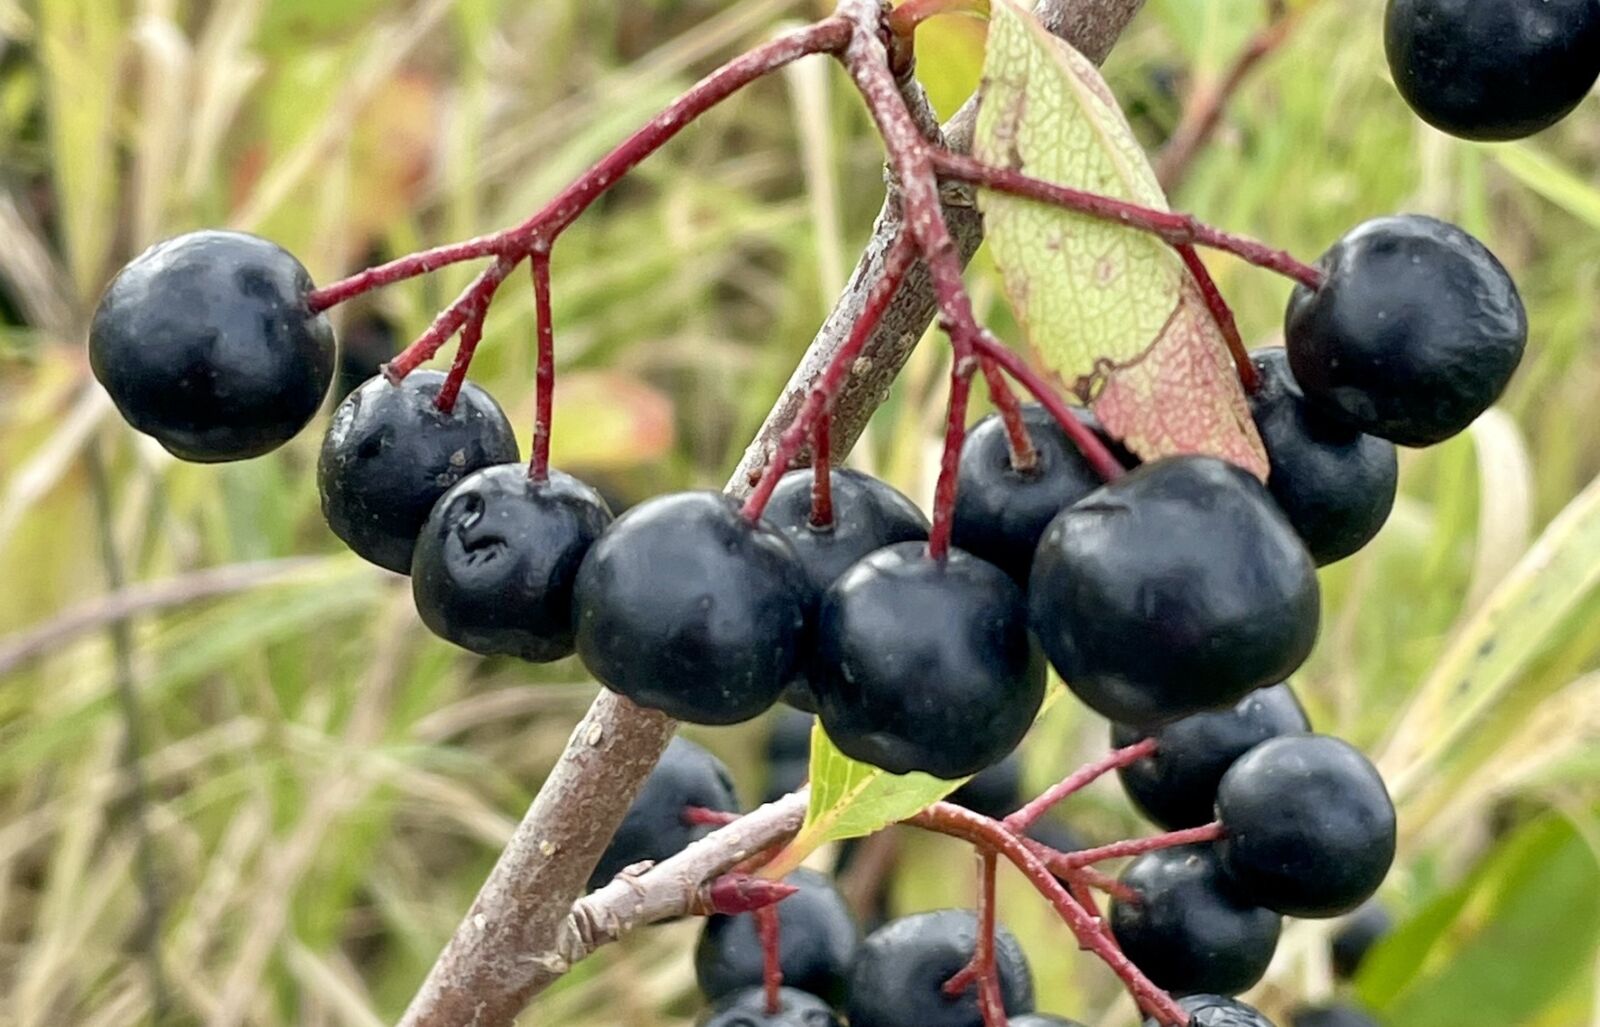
(1110, 312)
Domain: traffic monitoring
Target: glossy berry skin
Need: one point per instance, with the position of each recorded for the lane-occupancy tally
(1310, 827)
(1190, 932)
(900, 973)
(1335, 484)
(1415, 331)
(494, 566)
(868, 514)
(1331, 1016)
(390, 453)
(748, 1008)
(1177, 786)
(654, 828)
(207, 342)
(1218, 1011)
(1357, 935)
(686, 607)
(1177, 588)
(995, 791)
(817, 943)
(1493, 71)
(926, 664)
(1001, 512)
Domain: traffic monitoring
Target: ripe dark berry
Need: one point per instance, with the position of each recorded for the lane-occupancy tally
(899, 976)
(1414, 333)
(788, 751)
(1331, 1016)
(390, 453)
(1177, 787)
(817, 943)
(1310, 827)
(1042, 1020)
(653, 827)
(995, 791)
(1002, 512)
(796, 1008)
(494, 567)
(1335, 484)
(926, 664)
(1493, 71)
(868, 514)
(1190, 932)
(207, 342)
(686, 607)
(1177, 588)
(1218, 1011)
(1357, 935)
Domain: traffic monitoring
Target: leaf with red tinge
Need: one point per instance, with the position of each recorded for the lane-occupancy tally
(1110, 312)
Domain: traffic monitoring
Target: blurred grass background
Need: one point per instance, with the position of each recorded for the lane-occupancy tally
(328, 784)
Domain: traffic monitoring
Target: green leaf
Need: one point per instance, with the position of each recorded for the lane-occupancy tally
(1502, 946)
(1110, 312)
(1552, 181)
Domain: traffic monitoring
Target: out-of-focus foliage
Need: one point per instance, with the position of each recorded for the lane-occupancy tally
(328, 784)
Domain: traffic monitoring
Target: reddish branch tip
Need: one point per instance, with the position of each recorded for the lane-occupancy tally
(699, 816)
(735, 893)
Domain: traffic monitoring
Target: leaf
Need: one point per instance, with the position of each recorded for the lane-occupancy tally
(1503, 945)
(1109, 311)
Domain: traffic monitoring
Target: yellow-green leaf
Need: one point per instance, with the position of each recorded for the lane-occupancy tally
(1110, 312)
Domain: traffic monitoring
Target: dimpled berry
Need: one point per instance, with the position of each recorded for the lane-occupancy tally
(1177, 786)
(390, 453)
(1189, 932)
(1335, 484)
(494, 567)
(1493, 71)
(1414, 332)
(1177, 588)
(899, 976)
(685, 606)
(1217, 1011)
(207, 342)
(1310, 829)
(926, 664)
(796, 1008)
(654, 827)
(817, 942)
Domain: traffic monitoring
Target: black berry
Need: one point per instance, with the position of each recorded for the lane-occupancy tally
(1310, 827)
(1218, 1011)
(390, 453)
(995, 791)
(1177, 786)
(686, 607)
(868, 514)
(1414, 333)
(1001, 512)
(1331, 1016)
(654, 827)
(207, 342)
(1493, 71)
(817, 943)
(926, 664)
(788, 751)
(1190, 932)
(748, 1008)
(1177, 588)
(1335, 484)
(1357, 935)
(494, 566)
(899, 976)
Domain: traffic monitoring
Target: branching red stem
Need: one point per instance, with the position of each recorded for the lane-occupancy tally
(1087, 442)
(981, 969)
(471, 335)
(1025, 817)
(1138, 846)
(1222, 314)
(955, 433)
(473, 302)
(1024, 457)
(822, 472)
(545, 373)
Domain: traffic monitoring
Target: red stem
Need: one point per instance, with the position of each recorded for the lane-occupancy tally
(980, 969)
(473, 302)
(955, 433)
(1138, 846)
(822, 472)
(1025, 817)
(545, 375)
(1176, 229)
(699, 816)
(767, 929)
(950, 819)
(1249, 377)
(1086, 441)
(904, 19)
(1024, 457)
(471, 335)
(895, 265)
(827, 36)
